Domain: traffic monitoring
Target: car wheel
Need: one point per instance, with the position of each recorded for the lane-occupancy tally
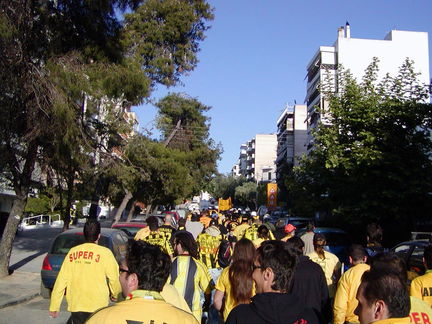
(45, 292)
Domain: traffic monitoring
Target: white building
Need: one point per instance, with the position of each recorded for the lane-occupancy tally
(356, 54)
(235, 170)
(259, 155)
(291, 136)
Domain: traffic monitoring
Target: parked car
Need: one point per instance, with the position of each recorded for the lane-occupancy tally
(412, 253)
(337, 240)
(114, 239)
(299, 222)
(279, 213)
(130, 228)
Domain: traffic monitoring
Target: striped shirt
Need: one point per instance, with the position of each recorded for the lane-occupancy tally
(191, 277)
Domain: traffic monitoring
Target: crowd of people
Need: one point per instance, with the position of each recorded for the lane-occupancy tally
(228, 267)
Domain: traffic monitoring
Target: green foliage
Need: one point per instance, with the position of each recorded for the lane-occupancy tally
(164, 37)
(261, 196)
(37, 206)
(374, 161)
(191, 136)
(224, 186)
(246, 195)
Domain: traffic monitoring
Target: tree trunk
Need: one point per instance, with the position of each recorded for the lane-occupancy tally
(70, 185)
(126, 198)
(148, 209)
(93, 212)
(10, 232)
(131, 211)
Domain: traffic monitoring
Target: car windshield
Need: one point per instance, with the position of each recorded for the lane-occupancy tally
(64, 243)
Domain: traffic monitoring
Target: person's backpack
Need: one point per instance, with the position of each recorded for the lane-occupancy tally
(224, 253)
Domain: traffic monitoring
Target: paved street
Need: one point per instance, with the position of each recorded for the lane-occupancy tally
(29, 250)
(30, 247)
(36, 310)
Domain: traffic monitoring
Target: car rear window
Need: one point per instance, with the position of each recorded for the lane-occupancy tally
(129, 230)
(64, 243)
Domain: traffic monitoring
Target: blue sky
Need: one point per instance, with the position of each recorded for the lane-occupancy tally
(253, 61)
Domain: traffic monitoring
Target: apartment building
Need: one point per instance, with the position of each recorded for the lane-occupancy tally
(291, 137)
(257, 158)
(356, 54)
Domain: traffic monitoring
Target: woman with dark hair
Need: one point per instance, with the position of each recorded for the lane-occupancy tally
(328, 261)
(263, 235)
(235, 285)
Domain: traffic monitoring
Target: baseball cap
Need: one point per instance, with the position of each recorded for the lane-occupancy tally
(289, 228)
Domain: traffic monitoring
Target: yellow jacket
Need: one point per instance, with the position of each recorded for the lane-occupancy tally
(142, 307)
(170, 294)
(330, 265)
(345, 301)
(89, 274)
(421, 287)
(191, 278)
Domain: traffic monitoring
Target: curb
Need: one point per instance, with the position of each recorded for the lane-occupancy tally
(19, 300)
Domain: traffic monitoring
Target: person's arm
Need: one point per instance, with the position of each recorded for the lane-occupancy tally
(340, 302)
(59, 288)
(218, 300)
(337, 270)
(112, 274)
(206, 283)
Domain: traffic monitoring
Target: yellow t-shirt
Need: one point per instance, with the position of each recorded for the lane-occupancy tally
(208, 246)
(421, 287)
(251, 233)
(89, 275)
(223, 284)
(142, 233)
(142, 309)
(240, 230)
(401, 320)
(420, 311)
(160, 239)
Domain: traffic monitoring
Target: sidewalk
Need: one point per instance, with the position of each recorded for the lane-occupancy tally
(19, 287)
